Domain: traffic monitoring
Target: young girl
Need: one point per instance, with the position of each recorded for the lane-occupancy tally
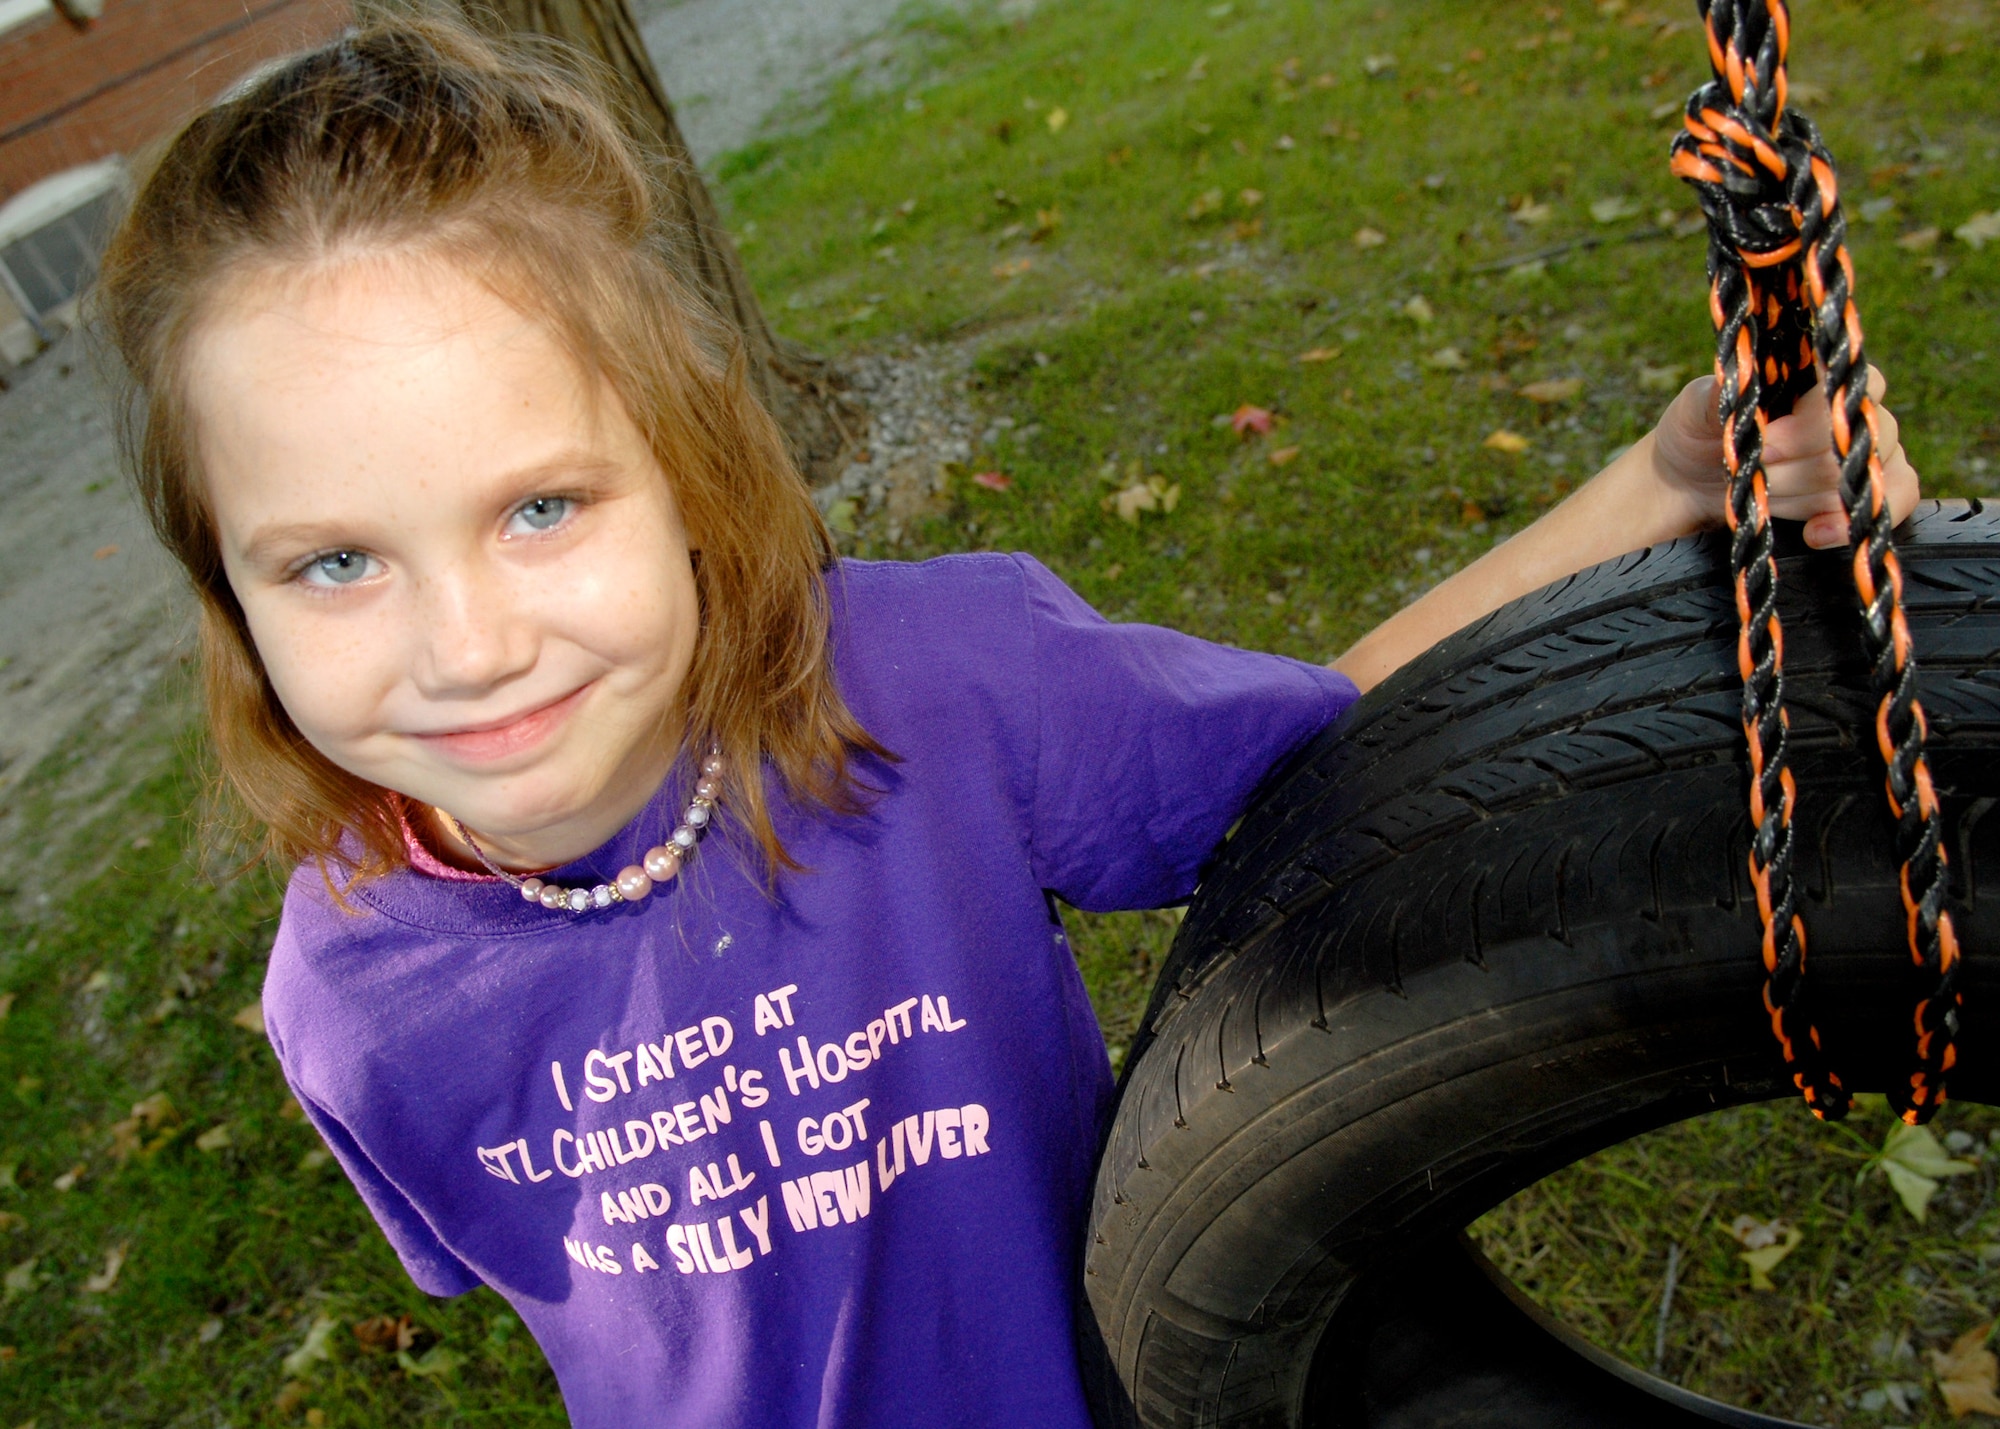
(673, 946)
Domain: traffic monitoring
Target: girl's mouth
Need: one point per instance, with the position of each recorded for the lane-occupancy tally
(509, 735)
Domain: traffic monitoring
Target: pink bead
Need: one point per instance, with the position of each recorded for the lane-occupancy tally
(552, 897)
(708, 788)
(661, 864)
(531, 889)
(633, 884)
(712, 765)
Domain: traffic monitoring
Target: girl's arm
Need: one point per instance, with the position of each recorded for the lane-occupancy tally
(1670, 483)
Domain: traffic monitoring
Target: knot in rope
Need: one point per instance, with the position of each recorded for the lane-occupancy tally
(1781, 295)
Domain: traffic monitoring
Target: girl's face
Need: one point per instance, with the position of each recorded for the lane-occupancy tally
(462, 566)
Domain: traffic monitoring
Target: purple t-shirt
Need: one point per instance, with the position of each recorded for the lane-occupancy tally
(820, 1157)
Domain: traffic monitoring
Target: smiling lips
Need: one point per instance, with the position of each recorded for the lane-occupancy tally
(514, 735)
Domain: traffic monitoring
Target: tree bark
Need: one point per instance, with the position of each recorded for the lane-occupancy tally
(801, 389)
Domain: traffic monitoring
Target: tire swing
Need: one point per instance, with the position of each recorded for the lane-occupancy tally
(1513, 909)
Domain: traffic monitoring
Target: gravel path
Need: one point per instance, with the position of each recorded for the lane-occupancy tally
(729, 64)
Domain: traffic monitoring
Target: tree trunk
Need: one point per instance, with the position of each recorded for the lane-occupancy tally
(823, 423)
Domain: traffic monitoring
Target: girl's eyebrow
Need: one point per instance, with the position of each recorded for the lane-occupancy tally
(568, 466)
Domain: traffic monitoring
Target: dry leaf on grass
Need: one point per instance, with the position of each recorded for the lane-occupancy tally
(20, 1280)
(1006, 271)
(1979, 230)
(1967, 1374)
(1613, 210)
(1527, 211)
(251, 1018)
(436, 1361)
(6, 1005)
(114, 1261)
(379, 1333)
(1057, 119)
(314, 1349)
(1047, 221)
(1666, 378)
(1915, 1166)
(1502, 440)
(1318, 354)
(1555, 389)
(1419, 311)
(1446, 359)
(1920, 240)
(215, 1138)
(1765, 1244)
(67, 1181)
(1369, 238)
(1283, 456)
(1152, 494)
(1249, 420)
(1207, 203)
(993, 480)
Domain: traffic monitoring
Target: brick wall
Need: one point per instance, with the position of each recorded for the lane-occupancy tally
(68, 96)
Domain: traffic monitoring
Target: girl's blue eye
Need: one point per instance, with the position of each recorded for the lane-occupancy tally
(544, 513)
(337, 568)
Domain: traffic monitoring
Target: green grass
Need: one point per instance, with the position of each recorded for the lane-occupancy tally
(127, 984)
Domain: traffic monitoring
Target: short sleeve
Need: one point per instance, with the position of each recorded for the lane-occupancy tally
(435, 1270)
(1151, 743)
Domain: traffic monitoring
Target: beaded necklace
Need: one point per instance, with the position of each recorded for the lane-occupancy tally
(634, 883)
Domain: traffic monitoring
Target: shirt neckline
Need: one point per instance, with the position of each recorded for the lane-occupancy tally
(432, 896)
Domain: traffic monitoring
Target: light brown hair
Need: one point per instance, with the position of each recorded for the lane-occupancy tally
(419, 135)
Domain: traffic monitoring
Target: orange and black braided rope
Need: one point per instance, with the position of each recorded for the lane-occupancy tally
(1781, 294)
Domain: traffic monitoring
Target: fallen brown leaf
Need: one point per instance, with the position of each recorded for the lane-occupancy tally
(1318, 354)
(1249, 420)
(1967, 1374)
(380, 1333)
(993, 480)
(114, 1261)
(251, 1018)
(1555, 389)
(1007, 271)
(1369, 238)
(1283, 456)
(1502, 440)
(1920, 240)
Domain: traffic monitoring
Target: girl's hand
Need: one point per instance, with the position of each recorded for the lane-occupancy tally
(1803, 477)
(1669, 483)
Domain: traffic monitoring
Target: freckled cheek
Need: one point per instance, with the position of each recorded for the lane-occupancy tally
(330, 679)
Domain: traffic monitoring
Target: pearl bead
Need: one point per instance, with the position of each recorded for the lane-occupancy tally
(551, 896)
(697, 815)
(531, 889)
(633, 884)
(712, 765)
(662, 864)
(684, 838)
(708, 789)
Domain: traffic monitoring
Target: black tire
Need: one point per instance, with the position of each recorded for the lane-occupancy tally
(1494, 920)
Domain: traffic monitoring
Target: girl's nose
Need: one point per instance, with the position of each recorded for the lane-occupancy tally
(468, 639)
